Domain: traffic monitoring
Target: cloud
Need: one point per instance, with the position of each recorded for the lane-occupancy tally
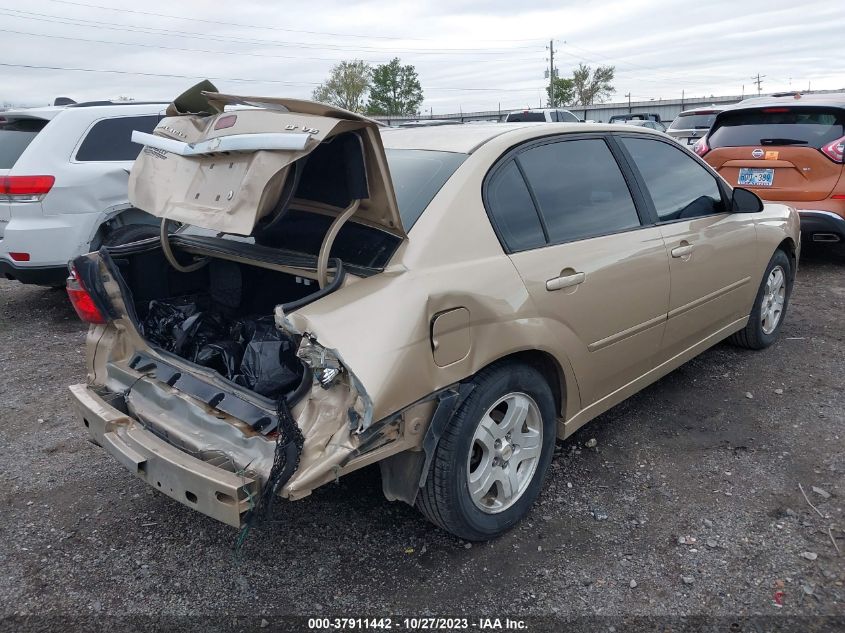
(470, 54)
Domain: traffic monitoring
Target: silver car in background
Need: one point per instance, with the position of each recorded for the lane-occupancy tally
(691, 125)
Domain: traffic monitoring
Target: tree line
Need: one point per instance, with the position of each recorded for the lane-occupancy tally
(394, 88)
(391, 88)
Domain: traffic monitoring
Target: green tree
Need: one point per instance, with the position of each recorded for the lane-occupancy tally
(593, 86)
(561, 92)
(395, 89)
(346, 86)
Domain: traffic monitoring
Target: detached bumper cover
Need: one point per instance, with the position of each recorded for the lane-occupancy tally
(218, 493)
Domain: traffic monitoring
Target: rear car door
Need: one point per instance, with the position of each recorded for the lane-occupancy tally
(712, 252)
(566, 214)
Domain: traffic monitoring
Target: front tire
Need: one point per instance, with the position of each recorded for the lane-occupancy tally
(770, 305)
(490, 463)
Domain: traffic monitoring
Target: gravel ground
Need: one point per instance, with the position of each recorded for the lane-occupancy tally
(689, 504)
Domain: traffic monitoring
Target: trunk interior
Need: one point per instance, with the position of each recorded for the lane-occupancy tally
(219, 316)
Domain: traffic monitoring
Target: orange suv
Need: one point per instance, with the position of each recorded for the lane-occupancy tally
(787, 149)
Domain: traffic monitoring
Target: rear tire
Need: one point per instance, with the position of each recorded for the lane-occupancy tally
(770, 305)
(490, 463)
(131, 233)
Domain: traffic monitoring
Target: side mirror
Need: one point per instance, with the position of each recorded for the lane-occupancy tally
(745, 201)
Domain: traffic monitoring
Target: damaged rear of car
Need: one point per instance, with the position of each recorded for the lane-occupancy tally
(200, 381)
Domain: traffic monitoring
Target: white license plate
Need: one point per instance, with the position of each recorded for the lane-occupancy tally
(751, 177)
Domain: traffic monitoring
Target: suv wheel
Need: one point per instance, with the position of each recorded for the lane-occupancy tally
(489, 466)
(130, 233)
(769, 306)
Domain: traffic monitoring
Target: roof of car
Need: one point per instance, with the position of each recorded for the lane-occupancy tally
(835, 99)
(467, 137)
(94, 107)
(704, 109)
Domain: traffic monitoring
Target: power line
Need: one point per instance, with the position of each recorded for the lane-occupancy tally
(203, 50)
(44, 17)
(238, 79)
(265, 27)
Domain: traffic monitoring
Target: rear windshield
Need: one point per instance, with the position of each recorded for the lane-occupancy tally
(804, 127)
(693, 122)
(417, 177)
(15, 137)
(525, 117)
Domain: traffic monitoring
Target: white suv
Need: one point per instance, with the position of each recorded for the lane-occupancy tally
(63, 184)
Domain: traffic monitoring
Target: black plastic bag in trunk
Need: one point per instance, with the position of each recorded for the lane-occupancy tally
(248, 351)
(269, 366)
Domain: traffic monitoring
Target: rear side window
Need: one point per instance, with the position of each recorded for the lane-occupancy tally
(579, 188)
(512, 210)
(802, 127)
(679, 187)
(564, 116)
(693, 122)
(15, 137)
(525, 117)
(110, 139)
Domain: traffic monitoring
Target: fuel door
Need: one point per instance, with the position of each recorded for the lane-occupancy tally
(450, 336)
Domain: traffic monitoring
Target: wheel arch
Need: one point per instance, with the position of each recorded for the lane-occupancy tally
(789, 247)
(561, 385)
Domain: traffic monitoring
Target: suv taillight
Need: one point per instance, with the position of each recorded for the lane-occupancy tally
(835, 150)
(82, 301)
(25, 188)
(701, 147)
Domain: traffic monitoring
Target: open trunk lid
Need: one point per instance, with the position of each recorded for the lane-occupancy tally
(236, 170)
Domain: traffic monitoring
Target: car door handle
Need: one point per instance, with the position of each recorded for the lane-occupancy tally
(684, 250)
(565, 281)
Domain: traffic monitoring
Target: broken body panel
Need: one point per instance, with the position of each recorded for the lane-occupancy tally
(389, 347)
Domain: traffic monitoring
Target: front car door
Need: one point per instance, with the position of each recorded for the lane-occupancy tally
(599, 278)
(712, 252)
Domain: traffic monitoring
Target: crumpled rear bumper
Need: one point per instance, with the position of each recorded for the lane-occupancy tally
(216, 492)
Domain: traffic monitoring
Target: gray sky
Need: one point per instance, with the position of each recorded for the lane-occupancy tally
(470, 54)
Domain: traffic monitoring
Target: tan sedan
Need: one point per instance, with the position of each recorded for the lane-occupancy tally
(443, 301)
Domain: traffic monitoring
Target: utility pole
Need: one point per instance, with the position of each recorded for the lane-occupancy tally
(552, 100)
(759, 81)
(682, 100)
(629, 102)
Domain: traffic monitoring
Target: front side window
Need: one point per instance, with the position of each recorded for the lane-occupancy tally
(512, 210)
(679, 187)
(110, 139)
(579, 188)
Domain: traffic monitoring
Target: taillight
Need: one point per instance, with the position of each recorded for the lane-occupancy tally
(25, 188)
(835, 150)
(701, 147)
(225, 121)
(82, 301)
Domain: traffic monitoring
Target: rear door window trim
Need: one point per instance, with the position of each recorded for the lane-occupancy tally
(646, 216)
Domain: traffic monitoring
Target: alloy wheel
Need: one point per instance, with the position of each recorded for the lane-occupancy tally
(505, 452)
